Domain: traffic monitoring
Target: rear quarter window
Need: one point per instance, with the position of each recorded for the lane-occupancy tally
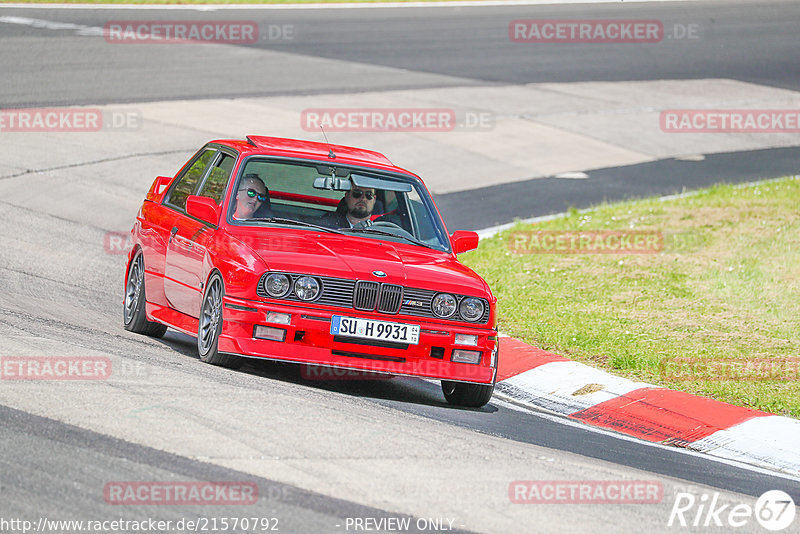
(188, 182)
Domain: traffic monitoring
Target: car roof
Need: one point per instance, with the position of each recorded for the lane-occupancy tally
(279, 146)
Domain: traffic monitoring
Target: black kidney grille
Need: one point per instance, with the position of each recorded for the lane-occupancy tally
(366, 295)
(391, 297)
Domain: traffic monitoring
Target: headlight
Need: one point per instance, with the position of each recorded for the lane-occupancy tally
(471, 309)
(276, 285)
(306, 288)
(444, 305)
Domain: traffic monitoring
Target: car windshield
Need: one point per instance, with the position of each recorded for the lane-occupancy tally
(352, 201)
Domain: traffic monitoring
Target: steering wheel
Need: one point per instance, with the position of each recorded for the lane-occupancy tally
(387, 224)
(393, 227)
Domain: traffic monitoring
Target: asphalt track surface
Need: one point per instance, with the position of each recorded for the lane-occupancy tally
(752, 41)
(749, 41)
(323, 452)
(501, 204)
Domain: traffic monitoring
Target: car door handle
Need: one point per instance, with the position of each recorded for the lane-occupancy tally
(172, 233)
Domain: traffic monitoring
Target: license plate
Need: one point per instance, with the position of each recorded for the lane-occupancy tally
(372, 329)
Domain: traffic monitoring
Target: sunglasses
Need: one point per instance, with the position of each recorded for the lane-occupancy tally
(357, 194)
(252, 193)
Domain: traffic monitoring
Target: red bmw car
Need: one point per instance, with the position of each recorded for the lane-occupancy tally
(311, 253)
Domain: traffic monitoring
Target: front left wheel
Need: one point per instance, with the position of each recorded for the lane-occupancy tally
(210, 326)
(467, 395)
(134, 318)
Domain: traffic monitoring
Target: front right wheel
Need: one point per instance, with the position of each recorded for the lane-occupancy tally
(210, 326)
(467, 395)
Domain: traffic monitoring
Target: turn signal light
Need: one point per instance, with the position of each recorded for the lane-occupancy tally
(467, 339)
(279, 318)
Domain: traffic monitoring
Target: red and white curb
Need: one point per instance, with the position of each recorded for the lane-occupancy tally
(542, 380)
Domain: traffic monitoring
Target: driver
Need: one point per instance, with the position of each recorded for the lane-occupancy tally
(354, 210)
(251, 197)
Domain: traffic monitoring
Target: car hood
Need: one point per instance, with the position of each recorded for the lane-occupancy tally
(357, 258)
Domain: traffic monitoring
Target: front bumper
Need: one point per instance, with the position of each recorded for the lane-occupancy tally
(308, 340)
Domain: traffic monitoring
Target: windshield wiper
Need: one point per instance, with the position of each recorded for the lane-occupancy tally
(381, 232)
(283, 220)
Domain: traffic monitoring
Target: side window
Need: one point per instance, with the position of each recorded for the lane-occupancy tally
(426, 231)
(389, 201)
(218, 179)
(187, 183)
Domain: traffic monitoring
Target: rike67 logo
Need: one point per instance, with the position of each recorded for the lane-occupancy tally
(774, 510)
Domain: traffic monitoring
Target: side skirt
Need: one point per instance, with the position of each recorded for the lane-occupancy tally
(173, 319)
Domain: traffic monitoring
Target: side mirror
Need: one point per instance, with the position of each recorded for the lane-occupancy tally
(462, 241)
(202, 208)
(159, 187)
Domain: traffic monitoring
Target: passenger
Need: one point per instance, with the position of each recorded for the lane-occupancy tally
(354, 209)
(252, 198)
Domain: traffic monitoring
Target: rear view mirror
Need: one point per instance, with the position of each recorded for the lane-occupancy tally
(202, 208)
(332, 183)
(463, 241)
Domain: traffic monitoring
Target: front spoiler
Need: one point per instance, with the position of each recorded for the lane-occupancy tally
(308, 341)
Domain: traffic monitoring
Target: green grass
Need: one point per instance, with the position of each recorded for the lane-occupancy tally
(722, 294)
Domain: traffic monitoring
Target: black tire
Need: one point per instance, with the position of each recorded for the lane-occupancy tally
(134, 318)
(467, 395)
(210, 326)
